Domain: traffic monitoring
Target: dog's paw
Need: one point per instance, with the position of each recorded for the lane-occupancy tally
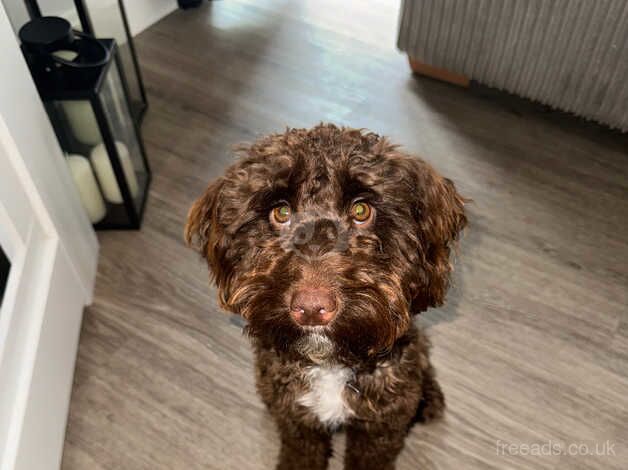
(432, 404)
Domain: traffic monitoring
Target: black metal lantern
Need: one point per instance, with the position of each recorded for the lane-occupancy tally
(84, 92)
(5, 268)
(107, 19)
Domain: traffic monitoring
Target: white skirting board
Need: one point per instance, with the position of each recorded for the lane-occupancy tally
(568, 54)
(47, 391)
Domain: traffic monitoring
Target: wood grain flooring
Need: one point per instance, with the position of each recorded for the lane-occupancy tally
(532, 346)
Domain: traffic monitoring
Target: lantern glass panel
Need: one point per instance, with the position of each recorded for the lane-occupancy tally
(63, 8)
(75, 124)
(90, 161)
(108, 22)
(121, 124)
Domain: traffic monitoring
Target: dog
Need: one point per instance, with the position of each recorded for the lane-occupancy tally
(328, 241)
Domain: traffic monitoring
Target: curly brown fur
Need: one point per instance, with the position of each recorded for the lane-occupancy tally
(379, 274)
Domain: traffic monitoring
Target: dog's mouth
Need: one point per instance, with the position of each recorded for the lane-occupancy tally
(315, 344)
(315, 329)
(323, 319)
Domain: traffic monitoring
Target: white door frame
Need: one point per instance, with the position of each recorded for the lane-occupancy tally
(31, 244)
(53, 252)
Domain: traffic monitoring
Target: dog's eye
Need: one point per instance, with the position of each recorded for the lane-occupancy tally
(281, 214)
(361, 212)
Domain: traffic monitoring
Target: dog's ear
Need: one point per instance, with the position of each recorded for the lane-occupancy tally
(203, 230)
(441, 217)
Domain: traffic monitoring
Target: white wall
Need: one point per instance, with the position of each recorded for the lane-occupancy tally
(143, 13)
(55, 7)
(17, 12)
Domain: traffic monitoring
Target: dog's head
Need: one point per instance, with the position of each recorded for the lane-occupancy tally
(329, 236)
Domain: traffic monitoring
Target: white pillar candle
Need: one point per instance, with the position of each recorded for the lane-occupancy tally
(87, 187)
(82, 121)
(66, 54)
(80, 114)
(106, 176)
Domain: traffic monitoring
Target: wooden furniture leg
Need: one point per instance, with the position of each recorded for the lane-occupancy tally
(444, 75)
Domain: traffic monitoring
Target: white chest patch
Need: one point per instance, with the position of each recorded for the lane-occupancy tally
(326, 395)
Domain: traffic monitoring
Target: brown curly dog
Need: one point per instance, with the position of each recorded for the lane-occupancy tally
(327, 241)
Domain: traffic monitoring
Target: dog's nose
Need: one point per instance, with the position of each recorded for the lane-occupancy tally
(313, 306)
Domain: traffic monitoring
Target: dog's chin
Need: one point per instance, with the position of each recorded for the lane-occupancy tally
(315, 344)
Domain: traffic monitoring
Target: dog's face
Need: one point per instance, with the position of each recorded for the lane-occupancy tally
(328, 238)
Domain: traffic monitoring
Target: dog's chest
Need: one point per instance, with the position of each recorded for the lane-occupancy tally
(325, 396)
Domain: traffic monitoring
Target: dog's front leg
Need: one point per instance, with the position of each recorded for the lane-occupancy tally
(374, 448)
(302, 447)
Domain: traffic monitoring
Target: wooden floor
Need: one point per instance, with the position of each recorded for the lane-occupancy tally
(533, 344)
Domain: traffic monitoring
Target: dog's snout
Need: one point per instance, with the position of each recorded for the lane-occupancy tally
(313, 306)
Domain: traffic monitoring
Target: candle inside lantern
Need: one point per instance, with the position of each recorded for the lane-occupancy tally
(87, 187)
(66, 54)
(106, 175)
(79, 114)
(82, 121)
